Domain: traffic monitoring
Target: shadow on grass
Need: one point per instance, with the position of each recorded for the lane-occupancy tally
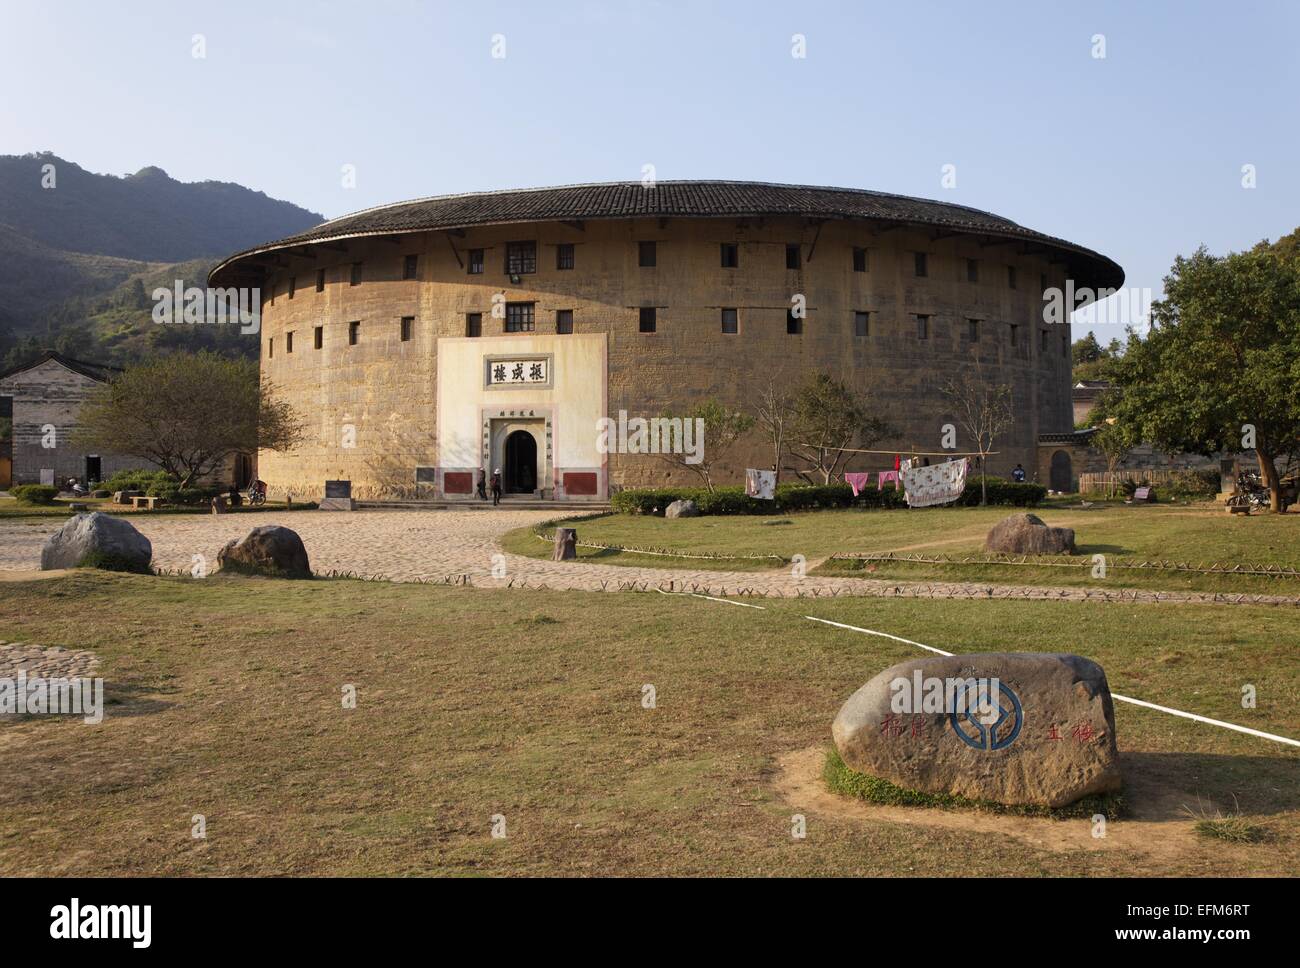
(1162, 786)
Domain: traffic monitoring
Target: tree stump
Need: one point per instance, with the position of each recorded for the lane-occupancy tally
(218, 504)
(566, 544)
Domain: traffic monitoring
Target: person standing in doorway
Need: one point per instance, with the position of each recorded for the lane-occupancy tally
(482, 485)
(496, 487)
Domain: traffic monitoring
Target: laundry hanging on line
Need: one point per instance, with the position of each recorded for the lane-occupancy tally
(935, 484)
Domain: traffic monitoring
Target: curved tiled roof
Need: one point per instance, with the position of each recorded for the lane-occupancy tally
(680, 199)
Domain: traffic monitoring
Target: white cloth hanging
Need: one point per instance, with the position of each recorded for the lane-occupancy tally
(760, 484)
(936, 484)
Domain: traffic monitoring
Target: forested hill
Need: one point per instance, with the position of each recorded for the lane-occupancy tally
(148, 216)
(73, 254)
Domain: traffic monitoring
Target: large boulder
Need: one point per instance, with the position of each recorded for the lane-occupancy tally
(97, 540)
(1027, 534)
(268, 550)
(1049, 740)
(682, 509)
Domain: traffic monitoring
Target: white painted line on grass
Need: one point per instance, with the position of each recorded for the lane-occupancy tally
(883, 635)
(710, 598)
(1114, 695)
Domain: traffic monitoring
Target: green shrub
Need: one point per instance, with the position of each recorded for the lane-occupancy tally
(1002, 491)
(43, 494)
(1200, 485)
(145, 481)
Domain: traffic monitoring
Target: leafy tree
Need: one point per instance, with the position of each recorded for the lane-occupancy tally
(1091, 360)
(828, 421)
(722, 428)
(1220, 367)
(186, 413)
(983, 411)
(1114, 440)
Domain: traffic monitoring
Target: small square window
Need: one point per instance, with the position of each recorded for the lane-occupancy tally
(922, 264)
(520, 317)
(647, 319)
(1042, 340)
(647, 255)
(1011, 277)
(408, 324)
(318, 336)
(288, 342)
(730, 255)
(564, 321)
(293, 285)
(730, 321)
(473, 324)
(861, 325)
(1015, 334)
(354, 332)
(475, 262)
(972, 270)
(270, 347)
(320, 280)
(564, 256)
(793, 255)
(973, 330)
(521, 257)
(859, 259)
(410, 266)
(356, 274)
(793, 323)
(922, 327)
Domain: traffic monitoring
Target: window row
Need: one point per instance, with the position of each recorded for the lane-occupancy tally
(521, 317)
(521, 259)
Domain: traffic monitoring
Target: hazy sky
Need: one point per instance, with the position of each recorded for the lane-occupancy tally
(1138, 155)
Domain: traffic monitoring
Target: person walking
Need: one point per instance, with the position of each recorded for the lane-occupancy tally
(496, 487)
(482, 485)
(1018, 475)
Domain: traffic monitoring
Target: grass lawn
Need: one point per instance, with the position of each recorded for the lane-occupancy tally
(1196, 533)
(226, 701)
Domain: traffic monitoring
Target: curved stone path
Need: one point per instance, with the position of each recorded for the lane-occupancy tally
(463, 547)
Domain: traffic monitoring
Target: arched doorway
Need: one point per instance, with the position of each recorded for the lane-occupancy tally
(520, 471)
(1062, 475)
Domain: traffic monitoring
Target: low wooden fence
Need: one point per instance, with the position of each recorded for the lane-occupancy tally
(1104, 482)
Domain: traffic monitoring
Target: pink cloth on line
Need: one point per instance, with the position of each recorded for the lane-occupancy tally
(886, 476)
(857, 481)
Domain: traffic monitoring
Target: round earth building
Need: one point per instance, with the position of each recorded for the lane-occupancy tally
(429, 341)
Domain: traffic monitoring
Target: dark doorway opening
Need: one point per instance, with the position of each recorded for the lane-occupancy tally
(243, 471)
(94, 470)
(521, 463)
(1062, 475)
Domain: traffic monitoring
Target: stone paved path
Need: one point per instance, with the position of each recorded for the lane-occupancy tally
(412, 545)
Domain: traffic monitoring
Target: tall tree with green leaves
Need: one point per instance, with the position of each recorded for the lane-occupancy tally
(186, 413)
(1220, 367)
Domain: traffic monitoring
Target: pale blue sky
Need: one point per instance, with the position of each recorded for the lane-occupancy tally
(1138, 155)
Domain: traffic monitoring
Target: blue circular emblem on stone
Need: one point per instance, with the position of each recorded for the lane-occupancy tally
(997, 735)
